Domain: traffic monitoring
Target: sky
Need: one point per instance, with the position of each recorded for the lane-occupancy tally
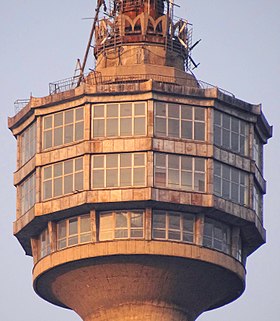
(240, 49)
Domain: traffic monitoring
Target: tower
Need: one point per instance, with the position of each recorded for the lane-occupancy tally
(139, 192)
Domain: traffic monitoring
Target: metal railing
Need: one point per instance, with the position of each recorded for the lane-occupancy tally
(19, 104)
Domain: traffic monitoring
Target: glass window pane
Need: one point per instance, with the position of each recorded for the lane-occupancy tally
(121, 234)
(112, 127)
(160, 126)
(79, 114)
(139, 109)
(186, 181)
(58, 187)
(68, 134)
(159, 219)
(112, 161)
(186, 112)
(139, 177)
(98, 111)
(61, 230)
(57, 170)
(136, 233)
(126, 109)
(126, 127)
(79, 131)
(48, 122)
(47, 172)
(199, 165)
(187, 129)
(98, 161)
(98, 128)
(160, 109)
(173, 110)
(173, 178)
(48, 139)
(84, 238)
(79, 181)
(112, 178)
(159, 234)
(73, 240)
(112, 110)
(78, 164)
(121, 219)
(68, 184)
(199, 131)
(140, 126)
(85, 224)
(174, 221)
(126, 179)
(47, 189)
(173, 161)
(199, 113)
(68, 167)
(160, 160)
(73, 226)
(126, 160)
(136, 220)
(69, 117)
(160, 177)
(139, 159)
(58, 136)
(58, 119)
(98, 179)
(173, 128)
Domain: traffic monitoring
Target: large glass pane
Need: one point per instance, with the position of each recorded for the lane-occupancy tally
(126, 160)
(160, 177)
(79, 181)
(79, 131)
(85, 224)
(106, 226)
(112, 161)
(186, 112)
(47, 172)
(98, 161)
(186, 181)
(58, 187)
(68, 134)
(68, 184)
(199, 165)
(186, 163)
(126, 109)
(161, 127)
(159, 219)
(68, 167)
(160, 160)
(61, 230)
(58, 136)
(199, 113)
(160, 109)
(98, 111)
(121, 219)
(79, 114)
(99, 128)
(47, 189)
(112, 127)
(126, 127)
(126, 178)
(174, 221)
(139, 159)
(57, 170)
(174, 235)
(199, 182)
(173, 161)
(173, 178)
(78, 164)
(98, 179)
(112, 110)
(136, 220)
(139, 177)
(112, 178)
(187, 129)
(173, 128)
(47, 139)
(48, 122)
(139, 109)
(69, 117)
(173, 111)
(58, 119)
(199, 131)
(140, 126)
(73, 240)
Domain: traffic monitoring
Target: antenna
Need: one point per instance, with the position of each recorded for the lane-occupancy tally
(100, 3)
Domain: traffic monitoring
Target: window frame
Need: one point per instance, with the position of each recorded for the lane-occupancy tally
(219, 137)
(114, 228)
(28, 143)
(27, 192)
(118, 169)
(167, 229)
(180, 120)
(53, 178)
(63, 127)
(105, 118)
(194, 173)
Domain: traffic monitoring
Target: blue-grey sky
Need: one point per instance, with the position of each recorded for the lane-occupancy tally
(40, 42)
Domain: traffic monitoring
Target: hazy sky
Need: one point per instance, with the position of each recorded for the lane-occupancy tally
(40, 42)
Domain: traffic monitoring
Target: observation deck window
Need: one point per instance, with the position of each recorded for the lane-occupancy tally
(73, 231)
(231, 133)
(63, 128)
(231, 183)
(28, 141)
(119, 170)
(217, 236)
(121, 225)
(63, 178)
(180, 121)
(258, 202)
(45, 243)
(258, 152)
(119, 120)
(180, 172)
(27, 193)
(174, 226)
